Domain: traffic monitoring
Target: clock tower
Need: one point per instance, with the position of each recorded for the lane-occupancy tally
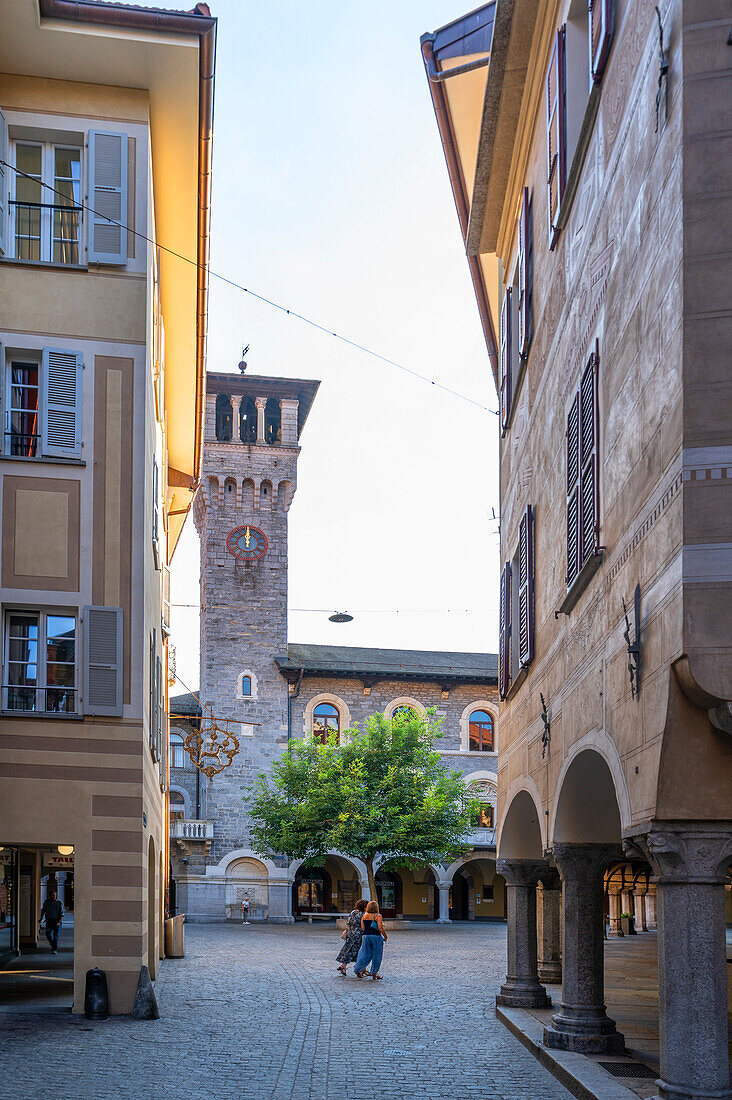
(249, 476)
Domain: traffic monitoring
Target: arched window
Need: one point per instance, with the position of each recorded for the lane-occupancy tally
(177, 805)
(402, 710)
(246, 685)
(481, 732)
(224, 417)
(326, 721)
(248, 430)
(485, 817)
(177, 751)
(272, 433)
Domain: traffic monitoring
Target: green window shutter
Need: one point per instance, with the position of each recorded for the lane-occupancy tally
(107, 197)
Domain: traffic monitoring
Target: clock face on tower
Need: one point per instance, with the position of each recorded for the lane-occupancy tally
(247, 543)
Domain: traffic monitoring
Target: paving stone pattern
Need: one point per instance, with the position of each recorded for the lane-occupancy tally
(260, 1012)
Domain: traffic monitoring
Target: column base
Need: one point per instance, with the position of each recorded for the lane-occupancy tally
(683, 1092)
(523, 997)
(551, 973)
(443, 920)
(584, 1031)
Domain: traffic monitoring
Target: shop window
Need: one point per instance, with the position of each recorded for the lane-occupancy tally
(481, 734)
(326, 723)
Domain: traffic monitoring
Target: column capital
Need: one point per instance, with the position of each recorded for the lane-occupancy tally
(550, 878)
(687, 852)
(584, 859)
(521, 872)
(260, 402)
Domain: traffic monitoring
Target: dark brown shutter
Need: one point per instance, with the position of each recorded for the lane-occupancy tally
(506, 357)
(526, 588)
(589, 488)
(556, 137)
(600, 14)
(504, 629)
(525, 274)
(573, 487)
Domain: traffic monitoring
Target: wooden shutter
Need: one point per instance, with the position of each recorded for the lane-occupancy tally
(505, 357)
(107, 197)
(61, 413)
(4, 186)
(103, 661)
(504, 638)
(556, 133)
(600, 14)
(589, 494)
(525, 275)
(573, 491)
(526, 588)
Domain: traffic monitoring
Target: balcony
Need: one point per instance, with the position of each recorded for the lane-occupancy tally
(481, 838)
(191, 830)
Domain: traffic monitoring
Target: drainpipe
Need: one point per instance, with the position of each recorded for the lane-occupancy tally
(436, 75)
(290, 696)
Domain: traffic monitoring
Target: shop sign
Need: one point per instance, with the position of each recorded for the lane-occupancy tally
(54, 859)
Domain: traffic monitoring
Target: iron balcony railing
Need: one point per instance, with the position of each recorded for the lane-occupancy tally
(47, 231)
(32, 699)
(22, 443)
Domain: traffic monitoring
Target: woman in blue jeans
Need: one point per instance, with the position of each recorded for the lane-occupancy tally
(372, 944)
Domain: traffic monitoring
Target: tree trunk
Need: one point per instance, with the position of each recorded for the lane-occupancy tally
(372, 880)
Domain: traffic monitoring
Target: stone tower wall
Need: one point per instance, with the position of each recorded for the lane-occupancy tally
(244, 626)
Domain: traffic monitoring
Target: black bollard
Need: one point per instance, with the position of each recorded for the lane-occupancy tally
(96, 997)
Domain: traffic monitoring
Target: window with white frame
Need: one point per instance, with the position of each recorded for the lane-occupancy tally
(481, 734)
(39, 674)
(42, 402)
(178, 754)
(46, 211)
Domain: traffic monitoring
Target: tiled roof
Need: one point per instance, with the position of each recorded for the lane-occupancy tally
(422, 664)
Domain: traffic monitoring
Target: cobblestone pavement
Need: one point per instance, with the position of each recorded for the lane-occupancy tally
(260, 1012)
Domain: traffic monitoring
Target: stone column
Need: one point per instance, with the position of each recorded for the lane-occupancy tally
(280, 900)
(582, 1023)
(261, 403)
(236, 417)
(651, 920)
(548, 927)
(691, 859)
(444, 917)
(522, 988)
(639, 900)
(616, 908)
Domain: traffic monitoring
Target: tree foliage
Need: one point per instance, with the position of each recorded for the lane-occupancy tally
(382, 791)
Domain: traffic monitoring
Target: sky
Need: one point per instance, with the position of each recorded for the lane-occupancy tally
(331, 196)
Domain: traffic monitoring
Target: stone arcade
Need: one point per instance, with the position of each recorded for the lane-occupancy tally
(272, 691)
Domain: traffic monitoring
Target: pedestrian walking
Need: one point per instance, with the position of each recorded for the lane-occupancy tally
(372, 943)
(52, 912)
(352, 936)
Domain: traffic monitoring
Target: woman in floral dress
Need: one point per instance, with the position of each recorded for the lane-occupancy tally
(352, 938)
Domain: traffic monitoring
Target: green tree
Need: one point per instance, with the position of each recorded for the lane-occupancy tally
(382, 791)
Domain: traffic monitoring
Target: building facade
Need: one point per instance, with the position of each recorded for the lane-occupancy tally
(105, 136)
(271, 691)
(588, 155)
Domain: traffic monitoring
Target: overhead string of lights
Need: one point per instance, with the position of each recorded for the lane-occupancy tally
(262, 298)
